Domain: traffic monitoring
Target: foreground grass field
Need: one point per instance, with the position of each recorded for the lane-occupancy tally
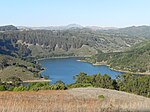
(73, 100)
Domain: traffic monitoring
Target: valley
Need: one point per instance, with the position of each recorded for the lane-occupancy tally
(42, 63)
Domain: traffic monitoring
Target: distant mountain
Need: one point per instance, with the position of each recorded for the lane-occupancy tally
(74, 26)
(100, 28)
(8, 28)
(23, 28)
(72, 39)
(138, 31)
(70, 26)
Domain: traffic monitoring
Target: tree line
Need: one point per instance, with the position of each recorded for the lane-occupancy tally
(136, 84)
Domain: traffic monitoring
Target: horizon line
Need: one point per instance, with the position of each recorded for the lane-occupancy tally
(32, 26)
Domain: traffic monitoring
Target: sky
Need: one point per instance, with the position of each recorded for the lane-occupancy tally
(104, 13)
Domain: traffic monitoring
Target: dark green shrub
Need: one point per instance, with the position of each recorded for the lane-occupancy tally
(59, 85)
(39, 86)
(101, 97)
(2, 88)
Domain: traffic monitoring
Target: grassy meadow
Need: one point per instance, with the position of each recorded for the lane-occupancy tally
(73, 100)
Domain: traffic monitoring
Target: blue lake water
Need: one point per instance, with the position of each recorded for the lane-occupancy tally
(64, 69)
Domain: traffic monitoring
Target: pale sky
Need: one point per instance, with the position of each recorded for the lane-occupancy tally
(104, 13)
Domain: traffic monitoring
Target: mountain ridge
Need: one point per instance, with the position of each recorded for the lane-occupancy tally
(72, 41)
(65, 27)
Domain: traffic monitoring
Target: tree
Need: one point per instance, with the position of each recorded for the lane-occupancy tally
(59, 85)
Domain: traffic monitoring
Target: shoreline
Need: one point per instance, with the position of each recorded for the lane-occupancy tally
(61, 57)
(123, 71)
(137, 73)
(38, 80)
(40, 59)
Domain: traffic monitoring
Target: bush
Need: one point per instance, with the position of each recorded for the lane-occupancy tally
(101, 97)
(78, 85)
(148, 94)
(20, 88)
(2, 88)
(59, 85)
(39, 86)
(10, 88)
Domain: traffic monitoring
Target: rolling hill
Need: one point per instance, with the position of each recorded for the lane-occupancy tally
(73, 41)
(23, 69)
(138, 31)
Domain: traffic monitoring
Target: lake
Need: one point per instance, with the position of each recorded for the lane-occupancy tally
(65, 68)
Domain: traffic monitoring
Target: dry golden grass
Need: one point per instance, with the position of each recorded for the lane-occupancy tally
(74, 100)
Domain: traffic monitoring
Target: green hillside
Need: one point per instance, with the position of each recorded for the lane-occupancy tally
(43, 43)
(25, 70)
(137, 59)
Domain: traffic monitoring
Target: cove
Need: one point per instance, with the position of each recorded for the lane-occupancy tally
(65, 68)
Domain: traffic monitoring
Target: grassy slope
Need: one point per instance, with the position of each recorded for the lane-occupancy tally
(20, 72)
(79, 99)
(13, 70)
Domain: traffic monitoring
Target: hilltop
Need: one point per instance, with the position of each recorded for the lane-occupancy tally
(8, 28)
